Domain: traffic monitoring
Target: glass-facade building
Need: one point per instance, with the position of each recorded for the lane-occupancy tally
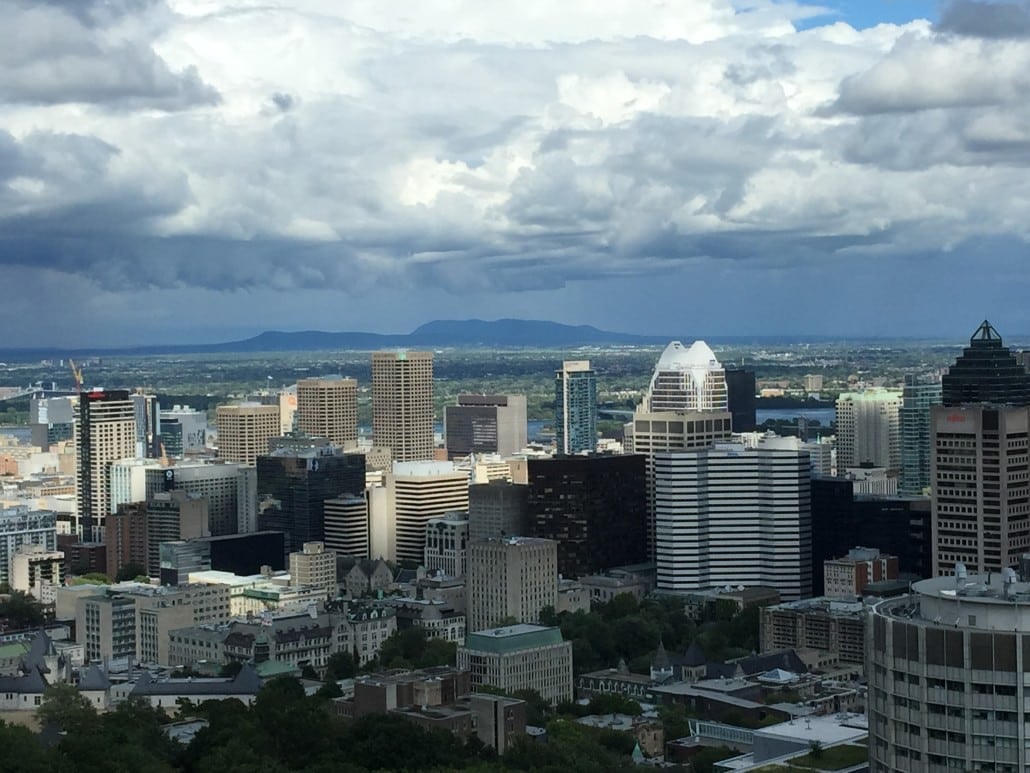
(986, 372)
(575, 407)
(916, 401)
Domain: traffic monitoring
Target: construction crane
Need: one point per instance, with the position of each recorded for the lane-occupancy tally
(77, 375)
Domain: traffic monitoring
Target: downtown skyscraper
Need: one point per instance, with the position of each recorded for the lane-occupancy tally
(575, 407)
(917, 398)
(402, 404)
(104, 434)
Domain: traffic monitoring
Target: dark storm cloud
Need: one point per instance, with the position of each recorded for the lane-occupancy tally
(61, 52)
(986, 19)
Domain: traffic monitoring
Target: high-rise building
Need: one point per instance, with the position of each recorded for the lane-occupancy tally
(981, 489)
(402, 404)
(328, 407)
(128, 480)
(148, 425)
(740, 396)
(346, 525)
(173, 515)
(413, 494)
(183, 431)
(732, 515)
(687, 379)
(485, 424)
(244, 431)
(104, 433)
(869, 429)
(230, 490)
(946, 668)
(447, 541)
(126, 538)
(510, 579)
(314, 565)
(21, 526)
(986, 372)
(575, 407)
(916, 400)
(594, 507)
(52, 419)
(498, 509)
(520, 657)
(295, 480)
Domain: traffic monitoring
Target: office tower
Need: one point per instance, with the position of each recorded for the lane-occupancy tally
(328, 407)
(687, 379)
(916, 400)
(129, 480)
(227, 486)
(446, 548)
(346, 525)
(510, 579)
(485, 424)
(314, 565)
(126, 538)
(594, 507)
(21, 526)
(869, 429)
(498, 509)
(244, 431)
(731, 515)
(981, 492)
(402, 404)
(52, 419)
(183, 431)
(297, 479)
(575, 408)
(946, 668)
(148, 425)
(740, 398)
(412, 495)
(899, 526)
(104, 433)
(173, 515)
(986, 372)
(239, 554)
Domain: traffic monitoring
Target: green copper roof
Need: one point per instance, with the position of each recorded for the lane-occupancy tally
(512, 638)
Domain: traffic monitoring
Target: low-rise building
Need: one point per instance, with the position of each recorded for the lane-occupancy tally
(37, 571)
(847, 577)
(166, 694)
(434, 617)
(829, 625)
(314, 566)
(360, 578)
(520, 657)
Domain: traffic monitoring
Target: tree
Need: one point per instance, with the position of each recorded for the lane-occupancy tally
(815, 750)
(22, 610)
(230, 670)
(63, 705)
(92, 578)
(130, 571)
(341, 665)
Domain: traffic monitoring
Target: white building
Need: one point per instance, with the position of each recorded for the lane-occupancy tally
(37, 571)
(730, 515)
(129, 480)
(346, 525)
(687, 380)
(869, 429)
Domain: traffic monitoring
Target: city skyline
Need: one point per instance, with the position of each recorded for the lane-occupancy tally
(185, 171)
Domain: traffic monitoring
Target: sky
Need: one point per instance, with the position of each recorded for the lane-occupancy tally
(178, 171)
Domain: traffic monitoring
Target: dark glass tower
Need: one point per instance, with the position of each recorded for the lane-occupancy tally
(987, 372)
(740, 394)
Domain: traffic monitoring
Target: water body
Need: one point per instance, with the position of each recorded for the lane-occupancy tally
(23, 434)
(825, 416)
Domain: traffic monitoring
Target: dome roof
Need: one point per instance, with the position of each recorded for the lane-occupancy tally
(678, 357)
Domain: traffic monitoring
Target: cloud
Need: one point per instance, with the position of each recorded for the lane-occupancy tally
(484, 149)
(986, 19)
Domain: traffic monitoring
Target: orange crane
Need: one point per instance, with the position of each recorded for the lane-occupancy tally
(77, 375)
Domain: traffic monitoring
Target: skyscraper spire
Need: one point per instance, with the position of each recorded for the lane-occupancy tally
(986, 372)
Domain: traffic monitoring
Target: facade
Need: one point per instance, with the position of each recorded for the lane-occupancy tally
(314, 565)
(740, 392)
(826, 625)
(414, 493)
(346, 525)
(869, 429)
(735, 516)
(847, 577)
(148, 425)
(447, 544)
(498, 509)
(128, 481)
(106, 627)
(244, 431)
(687, 379)
(230, 490)
(575, 408)
(511, 579)
(402, 404)
(238, 554)
(981, 489)
(52, 419)
(594, 507)
(183, 431)
(104, 433)
(916, 401)
(20, 526)
(520, 657)
(986, 372)
(173, 515)
(37, 571)
(296, 479)
(946, 670)
(328, 407)
(485, 424)
(126, 538)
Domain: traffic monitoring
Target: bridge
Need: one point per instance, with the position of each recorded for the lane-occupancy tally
(34, 390)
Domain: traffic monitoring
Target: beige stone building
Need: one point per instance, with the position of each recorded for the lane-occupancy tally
(402, 404)
(520, 657)
(511, 579)
(328, 407)
(314, 565)
(244, 431)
